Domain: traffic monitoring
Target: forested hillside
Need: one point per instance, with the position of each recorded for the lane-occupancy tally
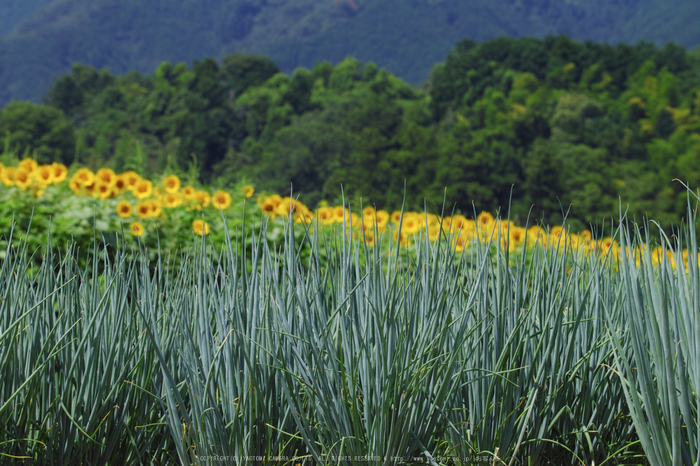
(551, 123)
(39, 39)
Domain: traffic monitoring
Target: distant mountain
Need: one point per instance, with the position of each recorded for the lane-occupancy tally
(13, 12)
(40, 39)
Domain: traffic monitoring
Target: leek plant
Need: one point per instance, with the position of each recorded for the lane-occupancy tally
(657, 353)
(337, 352)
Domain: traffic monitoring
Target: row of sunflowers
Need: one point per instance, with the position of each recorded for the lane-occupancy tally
(144, 204)
(485, 228)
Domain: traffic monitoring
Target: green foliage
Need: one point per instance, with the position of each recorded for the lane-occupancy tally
(250, 348)
(42, 132)
(537, 125)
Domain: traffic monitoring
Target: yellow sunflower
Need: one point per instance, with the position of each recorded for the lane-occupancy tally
(102, 190)
(221, 199)
(411, 224)
(106, 176)
(28, 165)
(22, 178)
(60, 172)
(142, 189)
(9, 176)
(460, 242)
(172, 200)
(248, 190)
(485, 221)
(43, 175)
(200, 227)
(131, 178)
(518, 236)
(76, 187)
(325, 215)
(143, 209)
(84, 176)
(382, 218)
(202, 199)
(404, 241)
(155, 208)
(268, 206)
(368, 237)
(271, 200)
(119, 184)
(137, 228)
(189, 192)
(340, 213)
(89, 189)
(171, 184)
(124, 209)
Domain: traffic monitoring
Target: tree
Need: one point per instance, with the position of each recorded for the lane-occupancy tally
(239, 72)
(41, 131)
(665, 125)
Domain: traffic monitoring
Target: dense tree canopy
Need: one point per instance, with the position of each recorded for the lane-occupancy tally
(543, 126)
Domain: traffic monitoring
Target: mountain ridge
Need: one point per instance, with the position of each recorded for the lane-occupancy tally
(407, 37)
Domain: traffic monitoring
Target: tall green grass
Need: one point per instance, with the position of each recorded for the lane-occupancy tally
(344, 354)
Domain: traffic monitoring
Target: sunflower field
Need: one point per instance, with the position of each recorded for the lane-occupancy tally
(79, 205)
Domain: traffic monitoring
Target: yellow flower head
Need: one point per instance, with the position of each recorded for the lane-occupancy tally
(273, 200)
(60, 172)
(248, 190)
(221, 199)
(268, 206)
(155, 208)
(203, 199)
(136, 228)
(76, 187)
(485, 221)
(119, 184)
(172, 200)
(189, 192)
(518, 236)
(411, 224)
(143, 209)
(609, 245)
(124, 209)
(368, 237)
(106, 176)
(171, 184)
(325, 215)
(285, 205)
(404, 241)
(130, 179)
(200, 227)
(102, 190)
(382, 218)
(340, 213)
(460, 241)
(43, 175)
(84, 176)
(9, 176)
(142, 189)
(22, 178)
(28, 164)
(90, 189)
